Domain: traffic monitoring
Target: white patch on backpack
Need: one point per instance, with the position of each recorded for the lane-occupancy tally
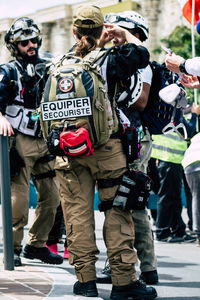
(64, 109)
(65, 85)
(1, 77)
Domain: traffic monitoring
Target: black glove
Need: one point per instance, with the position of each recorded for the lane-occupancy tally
(53, 142)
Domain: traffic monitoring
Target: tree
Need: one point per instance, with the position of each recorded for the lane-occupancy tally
(181, 43)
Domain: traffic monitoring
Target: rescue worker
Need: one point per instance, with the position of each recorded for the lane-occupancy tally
(144, 244)
(21, 85)
(106, 166)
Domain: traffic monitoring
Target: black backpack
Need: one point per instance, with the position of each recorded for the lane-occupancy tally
(11, 72)
(157, 113)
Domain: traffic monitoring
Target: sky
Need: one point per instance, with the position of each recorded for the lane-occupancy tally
(15, 8)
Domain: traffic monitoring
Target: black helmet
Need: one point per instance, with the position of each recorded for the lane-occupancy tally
(22, 29)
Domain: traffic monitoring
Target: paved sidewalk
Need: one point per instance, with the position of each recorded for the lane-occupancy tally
(178, 267)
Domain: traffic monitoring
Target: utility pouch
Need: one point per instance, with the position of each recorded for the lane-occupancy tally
(174, 95)
(76, 143)
(16, 161)
(133, 192)
(130, 138)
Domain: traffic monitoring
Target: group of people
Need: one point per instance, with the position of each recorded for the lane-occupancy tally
(72, 181)
(190, 162)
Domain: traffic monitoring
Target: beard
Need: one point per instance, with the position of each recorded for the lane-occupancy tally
(30, 59)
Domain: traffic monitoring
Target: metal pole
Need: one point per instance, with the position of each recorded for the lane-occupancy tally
(6, 204)
(193, 53)
(193, 43)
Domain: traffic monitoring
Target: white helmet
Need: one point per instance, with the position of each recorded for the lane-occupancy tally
(131, 95)
(129, 20)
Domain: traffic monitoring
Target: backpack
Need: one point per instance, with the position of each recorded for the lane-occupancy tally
(11, 72)
(75, 96)
(157, 114)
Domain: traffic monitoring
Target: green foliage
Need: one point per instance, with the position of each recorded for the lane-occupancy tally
(181, 43)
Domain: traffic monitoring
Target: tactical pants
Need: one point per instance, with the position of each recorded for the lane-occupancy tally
(144, 243)
(31, 149)
(77, 187)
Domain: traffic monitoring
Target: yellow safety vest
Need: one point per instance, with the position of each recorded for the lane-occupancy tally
(168, 147)
(192, 154)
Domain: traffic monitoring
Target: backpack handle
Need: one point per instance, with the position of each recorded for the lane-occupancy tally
(69, 55)
(172, 128)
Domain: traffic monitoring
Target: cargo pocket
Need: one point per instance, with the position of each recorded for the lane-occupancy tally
(119, 237)
(112, 164)
(81, 239)
(129, 258)
(127, 231)
(127, 234)
(111, 156)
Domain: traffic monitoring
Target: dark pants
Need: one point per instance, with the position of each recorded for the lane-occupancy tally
(58, 228)
(152, 171)
(169, 207)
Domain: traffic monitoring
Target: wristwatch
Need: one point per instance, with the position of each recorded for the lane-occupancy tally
(182, 68)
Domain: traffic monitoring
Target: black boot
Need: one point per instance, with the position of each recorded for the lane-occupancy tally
(44, 254)
(104, 276)
(150, 277)
(87, 289)
(135, 290)
(17, 258)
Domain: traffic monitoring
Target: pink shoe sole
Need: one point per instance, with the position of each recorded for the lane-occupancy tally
(53, 248)
(66, 254)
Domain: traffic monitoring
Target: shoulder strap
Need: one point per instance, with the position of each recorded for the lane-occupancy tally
(93, 56)
(98, 54)
(10, 70)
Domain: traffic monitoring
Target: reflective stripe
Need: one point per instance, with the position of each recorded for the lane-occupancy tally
(16, 113)
(19, 118)
(169, 147)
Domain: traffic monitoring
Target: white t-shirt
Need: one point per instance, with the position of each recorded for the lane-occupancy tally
(146, 74)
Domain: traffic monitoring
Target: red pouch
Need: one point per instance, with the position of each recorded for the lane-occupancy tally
(76, 143)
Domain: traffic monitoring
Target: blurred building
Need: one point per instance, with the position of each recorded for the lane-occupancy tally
(55, 23)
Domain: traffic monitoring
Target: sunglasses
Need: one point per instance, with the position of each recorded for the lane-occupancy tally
(26, 42)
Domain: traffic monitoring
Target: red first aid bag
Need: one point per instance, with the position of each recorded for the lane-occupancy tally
(76, 143)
